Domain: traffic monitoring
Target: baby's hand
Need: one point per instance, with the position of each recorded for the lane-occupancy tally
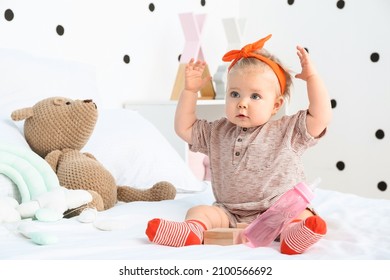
(308, 69)
(193, 76)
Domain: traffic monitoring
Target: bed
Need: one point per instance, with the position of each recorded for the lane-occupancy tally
(137, 154)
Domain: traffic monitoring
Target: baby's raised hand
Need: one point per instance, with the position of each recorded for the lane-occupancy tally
(308, 68)
(194, 80)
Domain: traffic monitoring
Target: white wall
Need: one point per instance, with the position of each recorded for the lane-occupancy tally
(101, 33)
(341, 41)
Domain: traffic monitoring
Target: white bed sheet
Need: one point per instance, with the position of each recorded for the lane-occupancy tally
(358, 229)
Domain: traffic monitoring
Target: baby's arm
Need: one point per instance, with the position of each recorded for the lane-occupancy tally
(185, 116)
(320, 111)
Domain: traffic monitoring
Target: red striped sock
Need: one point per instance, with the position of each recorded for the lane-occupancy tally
(300, 235)
(175, 234)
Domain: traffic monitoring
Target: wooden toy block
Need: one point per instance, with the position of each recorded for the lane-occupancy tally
(179, 82)
(224, 236)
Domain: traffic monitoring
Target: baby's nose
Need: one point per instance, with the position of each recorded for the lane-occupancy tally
(242, 106)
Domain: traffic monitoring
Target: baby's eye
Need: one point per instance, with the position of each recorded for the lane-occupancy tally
(234, 94)
(256, 96)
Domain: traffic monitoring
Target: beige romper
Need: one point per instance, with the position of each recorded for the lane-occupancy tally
(252, 167)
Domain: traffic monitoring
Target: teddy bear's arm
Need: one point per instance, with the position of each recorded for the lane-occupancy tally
(53, 158)
(90, 155)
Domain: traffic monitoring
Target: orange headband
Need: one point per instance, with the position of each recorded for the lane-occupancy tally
(249, 51)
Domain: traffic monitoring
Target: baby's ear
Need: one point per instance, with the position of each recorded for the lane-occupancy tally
(278, 104)
(22, 114)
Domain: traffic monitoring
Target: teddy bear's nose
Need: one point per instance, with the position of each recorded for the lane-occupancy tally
(89, 101)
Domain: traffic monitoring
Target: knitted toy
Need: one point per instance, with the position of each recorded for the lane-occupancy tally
(57, 129)
(41, 196)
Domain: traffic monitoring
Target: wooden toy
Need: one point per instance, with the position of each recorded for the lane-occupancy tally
(192, 27)
(224, 236)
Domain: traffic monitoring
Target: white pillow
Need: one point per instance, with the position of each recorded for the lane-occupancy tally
(26, 78)
(137, 154)
(12, 135)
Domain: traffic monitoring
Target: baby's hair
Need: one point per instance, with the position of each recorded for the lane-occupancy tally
(252, 61)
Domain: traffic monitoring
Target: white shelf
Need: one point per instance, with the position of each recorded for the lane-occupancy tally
(200, 102)
(210, 102)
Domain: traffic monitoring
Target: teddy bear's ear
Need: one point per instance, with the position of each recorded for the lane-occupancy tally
(22, 114)
(58, 101)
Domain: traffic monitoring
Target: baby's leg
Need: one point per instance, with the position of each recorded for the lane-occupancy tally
(189, 232)
(302, 233)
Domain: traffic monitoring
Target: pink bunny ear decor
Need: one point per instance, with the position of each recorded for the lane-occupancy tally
(192, 26)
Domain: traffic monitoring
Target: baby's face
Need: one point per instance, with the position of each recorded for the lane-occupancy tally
(252, 96)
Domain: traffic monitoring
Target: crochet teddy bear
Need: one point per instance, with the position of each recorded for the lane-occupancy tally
(57, 128)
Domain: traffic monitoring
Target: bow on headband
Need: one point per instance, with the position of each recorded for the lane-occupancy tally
(249, 51)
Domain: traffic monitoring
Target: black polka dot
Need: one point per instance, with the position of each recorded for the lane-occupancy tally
(9, 15)
(382, 186)
(60, 30)
(374, 57)
(151, 7)
(333, 103)
(126, 59)
(380, 134)
(290, 2)
(340, 4)
(203, 2)
(179, 57)
(307, 50)
(340, 165)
